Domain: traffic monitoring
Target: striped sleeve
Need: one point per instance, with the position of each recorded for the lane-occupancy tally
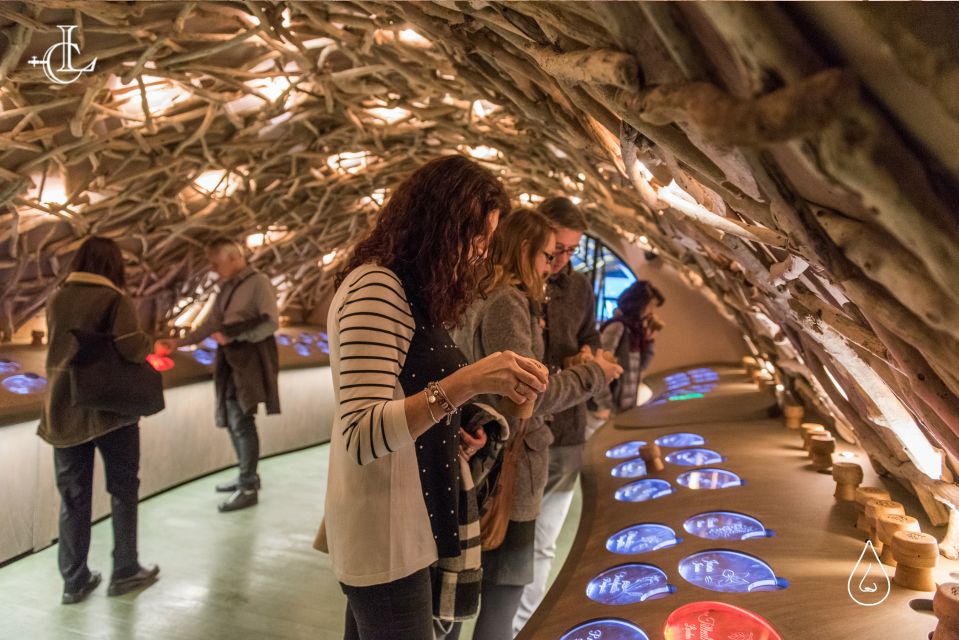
(375, 330)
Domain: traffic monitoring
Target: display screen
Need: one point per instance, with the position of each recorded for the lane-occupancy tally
(634, 468)
(629, 584)
(608, 629)
(626, 449)
(693, 457)
(9, 366)
(283, 340)
(302, 349)
(642, 538)
(729, 572)
(209, 343)
(725, 525)
(643, 490)
(674, 440)
(25, 384)
(204, 356)
(717, 620)
(709, 479)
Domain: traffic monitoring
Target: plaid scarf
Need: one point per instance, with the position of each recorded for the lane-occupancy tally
(456, 581)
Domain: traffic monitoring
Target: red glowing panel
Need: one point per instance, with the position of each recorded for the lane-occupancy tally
(160, 363)
(717, 621)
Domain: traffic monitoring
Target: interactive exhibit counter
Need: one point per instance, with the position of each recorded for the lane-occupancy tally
(736, 537)
(179, 444)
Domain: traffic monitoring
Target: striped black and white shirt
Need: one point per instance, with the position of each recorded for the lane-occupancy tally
(377, 523)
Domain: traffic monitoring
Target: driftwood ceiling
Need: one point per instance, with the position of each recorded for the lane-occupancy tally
(799, 161)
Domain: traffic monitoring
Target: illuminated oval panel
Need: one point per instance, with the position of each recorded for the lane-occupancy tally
(204, 356)
(674, 440)
(302, 349)
(25, 384)
(729, 572)
(608, 629)
(634, 468)
(693, 457)
(643, 490)
(709, 479)
(717, 620)
(209, 343)
(725, 525)
(629, 584)
(642, 538)
(626, 449)
(9, 366)
(283, 340)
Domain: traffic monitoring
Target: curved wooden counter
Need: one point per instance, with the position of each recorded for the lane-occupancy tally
(815, 547)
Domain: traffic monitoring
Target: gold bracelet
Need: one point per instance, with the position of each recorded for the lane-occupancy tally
(436, 395)
(429, 407)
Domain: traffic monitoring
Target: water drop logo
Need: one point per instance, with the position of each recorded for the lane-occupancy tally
(868, 583)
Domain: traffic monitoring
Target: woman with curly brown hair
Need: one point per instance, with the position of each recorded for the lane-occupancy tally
(391, 502)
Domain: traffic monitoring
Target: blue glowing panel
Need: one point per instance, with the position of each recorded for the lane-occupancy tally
(629, 584)
(302, 349)
(634, 468)
(306, 338)
(725, 525)
(609, 629)
(643, 490)
(709, 479)
(730, 572)
(641, 538)
(324, 337)
(626, 450)
(283, 340)
(693, 457)
(204, 356)
(209, 343)
(8, 366)
(25, 384)
(703, 374)
(681, 440)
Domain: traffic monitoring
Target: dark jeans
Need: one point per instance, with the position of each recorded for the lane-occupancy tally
(398, 610)
(120, 450)
(246, 441)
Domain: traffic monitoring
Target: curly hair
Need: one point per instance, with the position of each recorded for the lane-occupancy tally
(516, 246)
(427, 228)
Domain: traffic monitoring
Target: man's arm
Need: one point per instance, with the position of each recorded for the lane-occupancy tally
(210, 324)
(264, 303)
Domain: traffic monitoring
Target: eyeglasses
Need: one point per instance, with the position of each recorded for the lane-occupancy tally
(549, 257)
(570, 252)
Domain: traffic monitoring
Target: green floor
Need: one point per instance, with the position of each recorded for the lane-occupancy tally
(250, 575)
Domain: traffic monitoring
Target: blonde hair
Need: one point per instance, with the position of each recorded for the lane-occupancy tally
(515, 248)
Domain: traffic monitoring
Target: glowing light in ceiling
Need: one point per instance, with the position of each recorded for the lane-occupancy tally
(387, 115)
(575, 200)
(351, 162)
(530, 198)
(411, 37)
(216, 183)
(328, 259)
(482, 152)
(270, 236)
(161, 94)
(483, 108)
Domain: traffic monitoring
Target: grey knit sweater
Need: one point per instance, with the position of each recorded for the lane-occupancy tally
(505, 321)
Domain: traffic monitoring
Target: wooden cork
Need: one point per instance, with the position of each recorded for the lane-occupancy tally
(809, 429)
(793, 414)
(945, 604)
(848, 477)
(862, 496)
(887, 526)
(652, 456)
(820, 450)
(873, 511)
(916, 554)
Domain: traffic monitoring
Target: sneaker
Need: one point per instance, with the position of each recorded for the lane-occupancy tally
(240, 499)
(73, 597)
(233, 485)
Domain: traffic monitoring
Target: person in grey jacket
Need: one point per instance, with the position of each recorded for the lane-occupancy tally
(242, 321)
(510, 318)
(570, 327)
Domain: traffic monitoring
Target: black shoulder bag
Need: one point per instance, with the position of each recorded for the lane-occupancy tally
(102, 379)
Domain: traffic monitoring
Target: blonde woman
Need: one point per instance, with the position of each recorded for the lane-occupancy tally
(509, 318)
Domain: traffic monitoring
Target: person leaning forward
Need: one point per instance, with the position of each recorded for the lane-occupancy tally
(242, 321)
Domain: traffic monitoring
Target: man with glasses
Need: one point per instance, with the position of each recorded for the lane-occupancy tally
(570, 326)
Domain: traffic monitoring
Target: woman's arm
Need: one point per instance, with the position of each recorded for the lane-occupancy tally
(132, 343)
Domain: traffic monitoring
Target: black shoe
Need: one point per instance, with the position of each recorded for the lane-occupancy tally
(73, 597)
(233, 485)
(142, 578)
(241, 499)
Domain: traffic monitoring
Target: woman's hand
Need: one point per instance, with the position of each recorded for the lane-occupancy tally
(508, 374)
(611, 370)
(469, 445)
(164, 347)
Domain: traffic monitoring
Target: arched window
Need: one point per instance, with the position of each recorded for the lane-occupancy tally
(608, 272)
